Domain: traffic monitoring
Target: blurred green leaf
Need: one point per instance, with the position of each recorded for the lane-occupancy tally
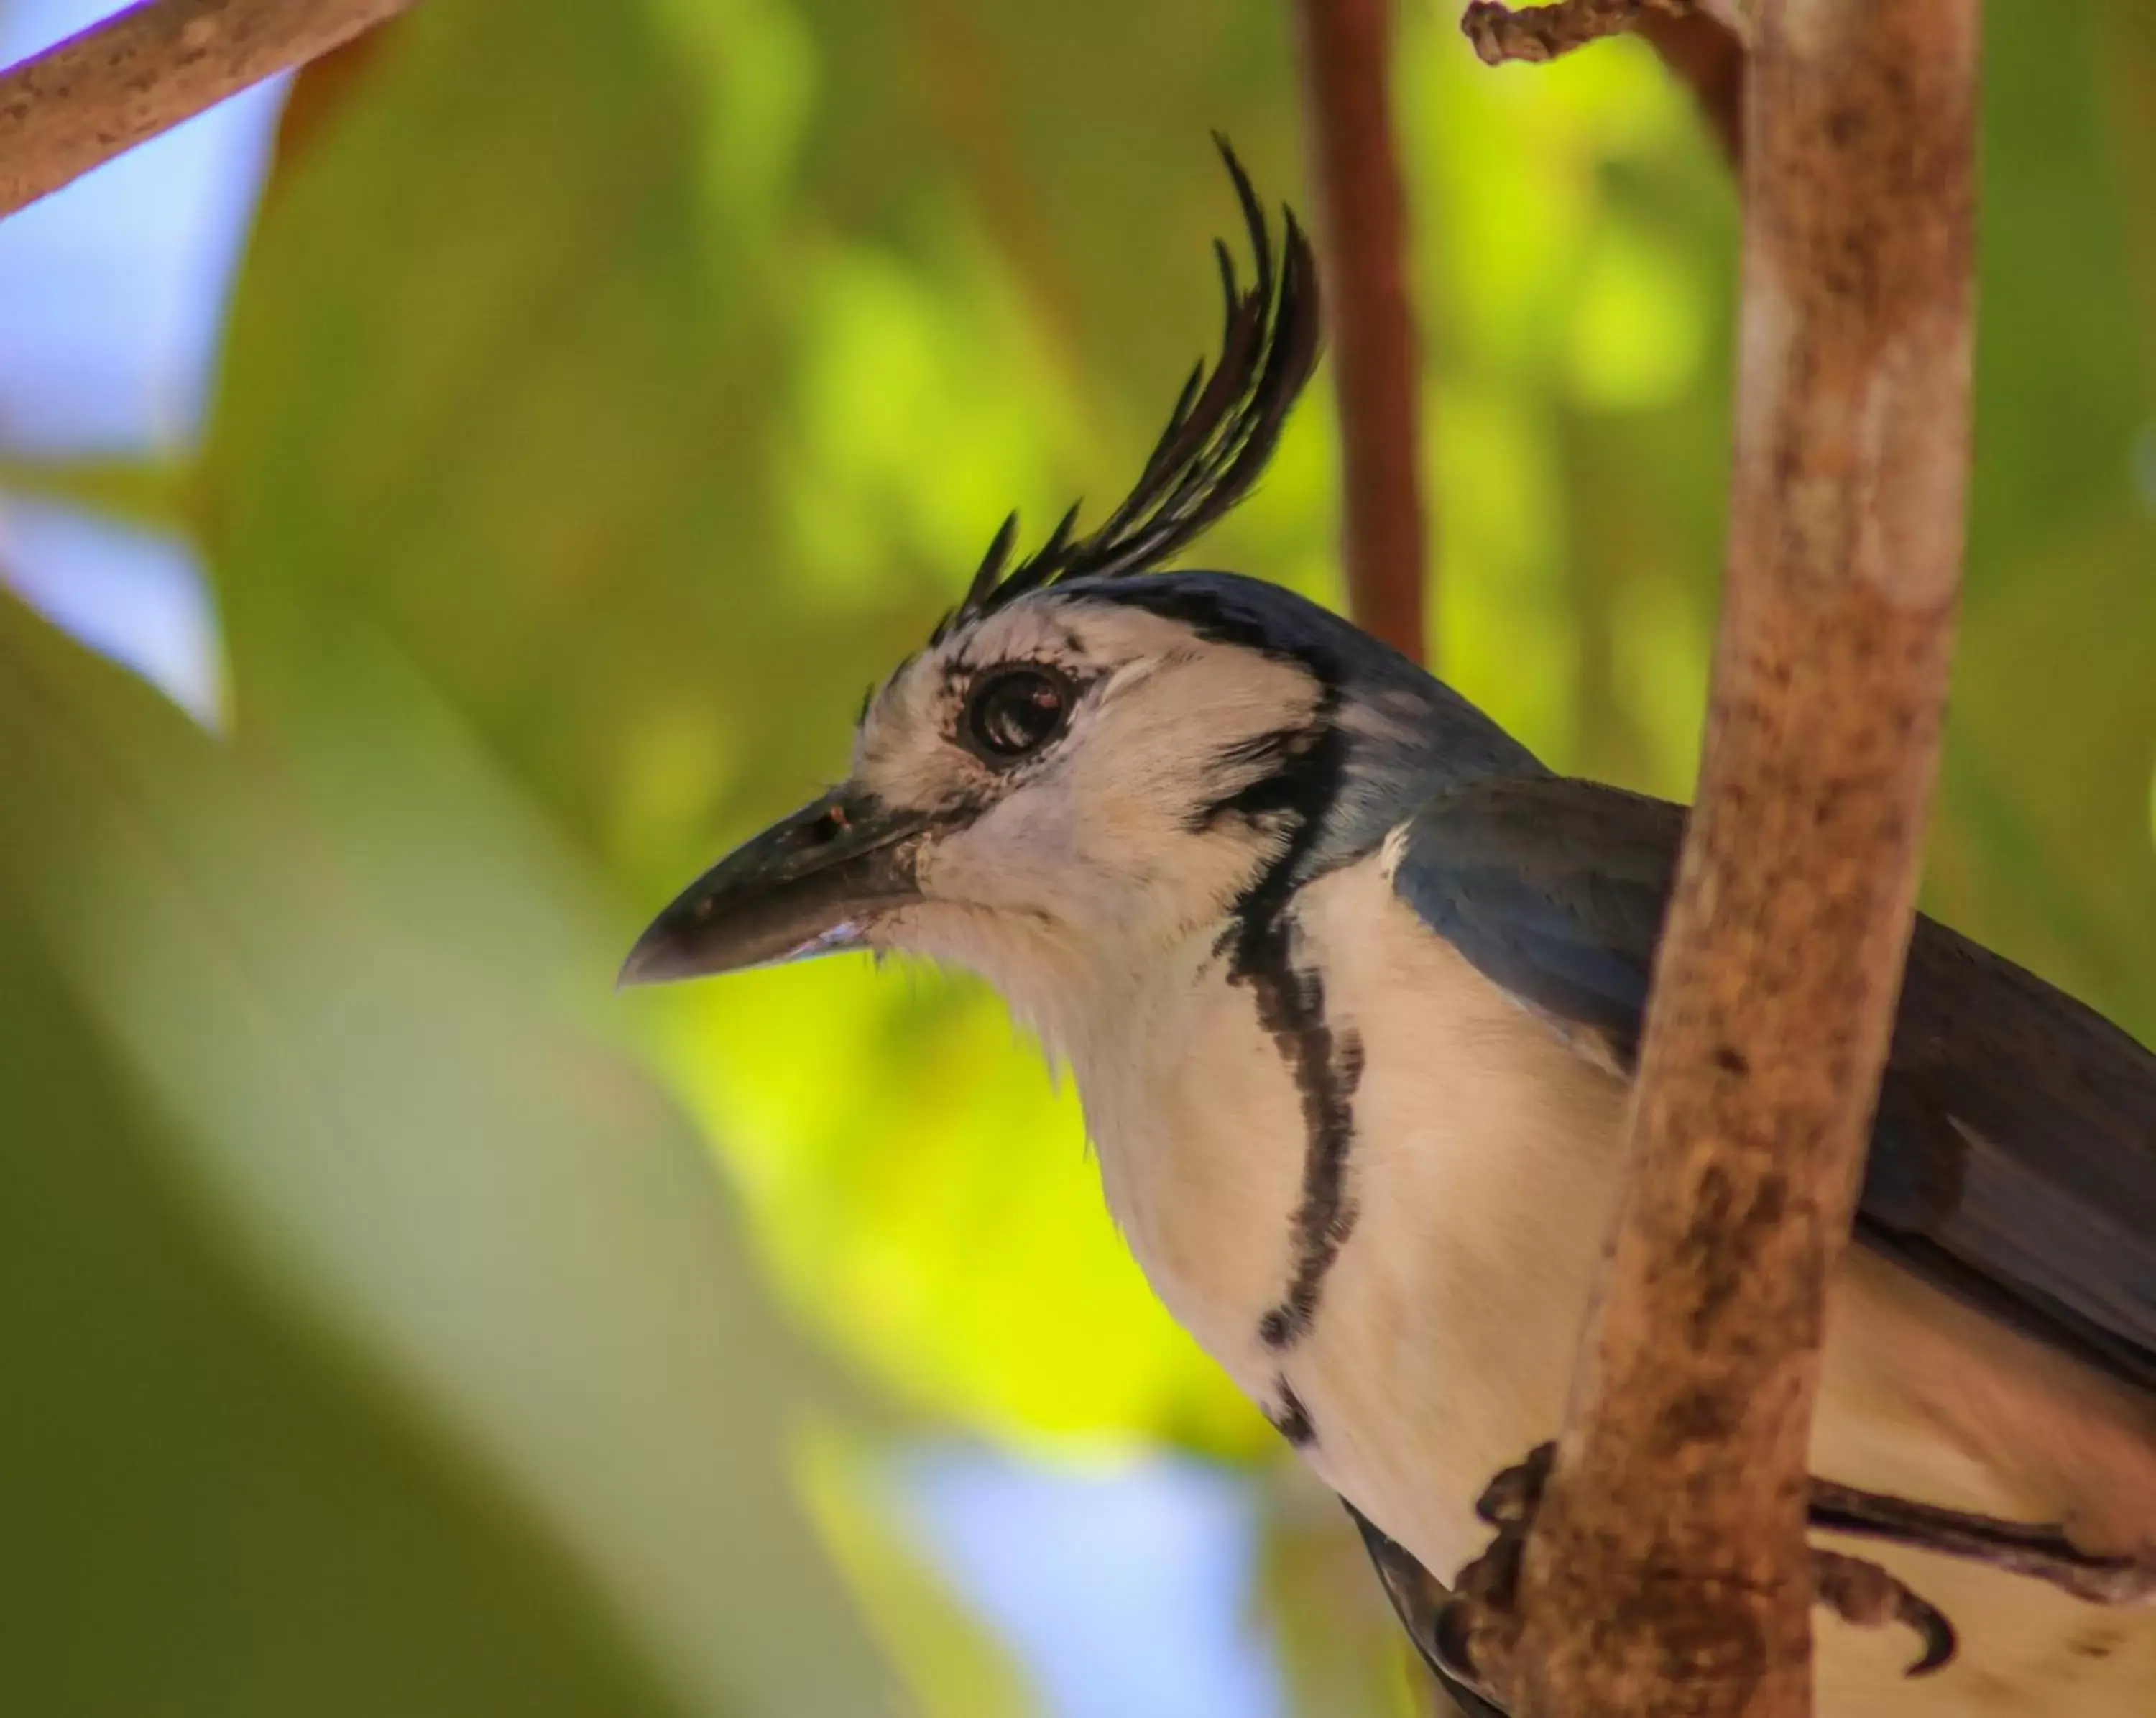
(156, 494)
(2042, 847)
(212, 1512)
(441, 1170)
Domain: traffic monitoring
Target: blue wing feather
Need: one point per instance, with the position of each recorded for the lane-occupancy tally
(2013, 1160)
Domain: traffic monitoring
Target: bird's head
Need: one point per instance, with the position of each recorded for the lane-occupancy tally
(1091, 759)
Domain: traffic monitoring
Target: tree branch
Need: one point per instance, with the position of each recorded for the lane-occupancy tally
(1376, 366)
(1697, 40)
(1668, 1569)
(144, 70)
(1534, 33)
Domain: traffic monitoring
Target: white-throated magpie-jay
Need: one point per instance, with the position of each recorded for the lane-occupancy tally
(1350, 986)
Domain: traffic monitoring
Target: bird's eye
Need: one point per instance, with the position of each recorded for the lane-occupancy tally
(1013, 711)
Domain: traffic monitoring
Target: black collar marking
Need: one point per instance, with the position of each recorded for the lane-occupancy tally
(1310, 763)
(1327, 1066)
(1263, 768)
(1289, 1417)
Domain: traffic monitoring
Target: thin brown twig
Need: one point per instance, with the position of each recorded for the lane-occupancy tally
(1700, 49)
(144, 70)
(1534, 33)
(1376, 365)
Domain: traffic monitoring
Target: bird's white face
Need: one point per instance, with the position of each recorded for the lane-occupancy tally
(1085, 764)
(1049, 796)
(1090, 779)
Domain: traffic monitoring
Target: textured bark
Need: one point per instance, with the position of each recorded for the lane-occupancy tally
(144, 70)
(1376, 364)
(1667, 1569)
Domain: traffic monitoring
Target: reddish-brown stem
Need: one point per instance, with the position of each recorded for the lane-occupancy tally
(1376, 365)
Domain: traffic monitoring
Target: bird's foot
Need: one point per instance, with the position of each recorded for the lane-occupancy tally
(1865, 1594)
(2041, 1552)
(1476, 1635)
(1512, 1499)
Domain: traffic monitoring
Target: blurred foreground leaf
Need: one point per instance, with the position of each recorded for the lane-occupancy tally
(527, 1454)
(207, 1513)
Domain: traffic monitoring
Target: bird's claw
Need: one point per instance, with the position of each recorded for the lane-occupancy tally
(1512, 1499)
(1476, 1632)
(1475, 1636)
(1865, 1594)
(2041, 1550)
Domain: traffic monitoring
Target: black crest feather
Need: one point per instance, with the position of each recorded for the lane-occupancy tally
(1218, 439)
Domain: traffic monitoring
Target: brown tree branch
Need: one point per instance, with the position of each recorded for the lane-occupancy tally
(1536, 33)
(1376, 366)
(1693, 37)
(144, 70)
(1668, 1569)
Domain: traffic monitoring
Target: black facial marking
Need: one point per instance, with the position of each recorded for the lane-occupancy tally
(1290, 1418)
(1263, 769)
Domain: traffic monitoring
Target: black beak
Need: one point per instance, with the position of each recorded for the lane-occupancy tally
(807, 886)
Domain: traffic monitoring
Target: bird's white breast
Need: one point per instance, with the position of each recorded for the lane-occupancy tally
(1481, 1177)
(1479, 1144)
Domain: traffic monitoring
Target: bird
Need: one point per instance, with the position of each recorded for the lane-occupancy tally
(1351, 987)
